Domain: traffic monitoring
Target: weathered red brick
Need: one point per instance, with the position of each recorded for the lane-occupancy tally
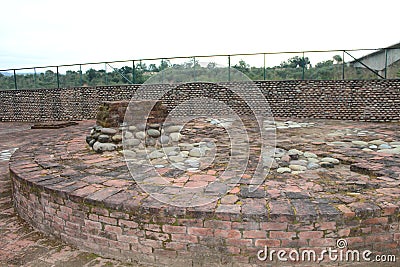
(218, 224)
(273, 226)
(113, 229)
(227, 233)
(254, 234)
(108, 220)
(126, 223)
(174, 229)
(184, 237)
(311, 234)
(238, 242)
(378, 220)
(282, 235)
(268, 242)
(200, 231)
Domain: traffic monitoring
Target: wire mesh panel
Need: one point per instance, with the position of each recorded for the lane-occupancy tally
(93, 74)
(363, 65)
(7, 80)
(284, 66)
(37, 78)
(250, 65)
(314, 65)
(324, 65)
(392, 63)
(70, 76)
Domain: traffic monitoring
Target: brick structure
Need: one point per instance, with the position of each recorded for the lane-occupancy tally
(112, 113)
(87, 200)
(363, 100)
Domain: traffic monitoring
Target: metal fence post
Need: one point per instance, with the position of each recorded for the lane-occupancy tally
(386, 63)
(304, 65)
(58, 79)
(133, 72)
(34, 77)
(343, 65)
(265, 70)
(15, 81)
(80, 75)
(229, 68)
(194, 68)
(105, 73)
(162, 71)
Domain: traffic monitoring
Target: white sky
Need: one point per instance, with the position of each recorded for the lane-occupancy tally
(41, 32)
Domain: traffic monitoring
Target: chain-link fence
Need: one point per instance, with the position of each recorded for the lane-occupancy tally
(355, 64)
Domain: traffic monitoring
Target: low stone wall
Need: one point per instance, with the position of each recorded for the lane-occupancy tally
(365, 100)
(167, 236)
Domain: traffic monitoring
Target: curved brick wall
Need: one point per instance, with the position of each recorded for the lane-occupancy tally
(123, 223)
(370, 100)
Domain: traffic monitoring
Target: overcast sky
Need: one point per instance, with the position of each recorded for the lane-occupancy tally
(41, 32)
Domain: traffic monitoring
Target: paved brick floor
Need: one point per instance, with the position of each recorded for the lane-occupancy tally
(20, 245)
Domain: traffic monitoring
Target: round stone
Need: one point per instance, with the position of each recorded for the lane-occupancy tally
(128, 153)
(330, 160)
(101, 147)
(283, 170)
(89, 138)
(109, 131)
(196, 152)
(140, 135)
(173, 129)
(175, 137)
(300, 162)
(141, 127)
(91, 143)
(150, 142)
(313, 166)
(170, 149)
(103, 138)
(153, 133)
(131, 142)
(360, 144)
(373, 147)
(294, 152)
(98, 128)
(309, 155)
(156, 154)
(132, 128)
(377, 142)
(186, 146)
(176, 158)
(384, 146)
(193, 163)
(154, 125)
(297, 167)
(164, 139)
(128, 135)
(313, 160)
(326, 164)
(117, 138)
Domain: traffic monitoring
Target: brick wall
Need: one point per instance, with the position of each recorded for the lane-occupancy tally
(365, 100)
(168, 236)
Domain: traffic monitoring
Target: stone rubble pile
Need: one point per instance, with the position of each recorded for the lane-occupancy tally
(295, 161)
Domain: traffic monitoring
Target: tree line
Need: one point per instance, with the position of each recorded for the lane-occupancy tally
(295, 68)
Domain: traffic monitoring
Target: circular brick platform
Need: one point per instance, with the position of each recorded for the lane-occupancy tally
(90, 200)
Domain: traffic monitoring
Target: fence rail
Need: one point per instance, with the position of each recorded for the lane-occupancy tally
(381, 63)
